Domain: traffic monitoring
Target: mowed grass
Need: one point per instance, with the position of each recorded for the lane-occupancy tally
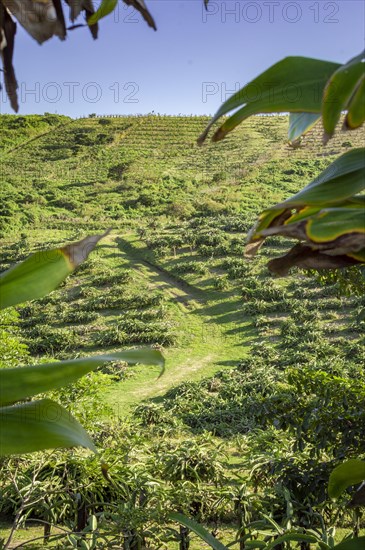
(210, 330)
(213, 332)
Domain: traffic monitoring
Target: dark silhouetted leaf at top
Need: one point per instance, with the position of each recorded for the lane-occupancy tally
(140, 6)
(7, 34)
(42, 19)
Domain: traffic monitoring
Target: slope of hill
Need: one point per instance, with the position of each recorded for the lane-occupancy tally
(97, 172)
(263, 388)
(179, 215)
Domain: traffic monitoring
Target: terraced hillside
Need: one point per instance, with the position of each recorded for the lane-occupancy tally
(179, 215)
(264, 382)
(98, 172)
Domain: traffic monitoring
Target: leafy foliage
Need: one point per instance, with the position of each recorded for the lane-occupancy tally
(305, 323)
(327, 217)
(44, 424)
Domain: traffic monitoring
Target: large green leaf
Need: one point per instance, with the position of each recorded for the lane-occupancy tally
(339, 229)
(356, 109)
(22, 382)
(351, 544)
(346, 474)
(307, 211)
(39, 425)
(42, 272)
(307, 222)
(337, 185)
(300, 124)
(331, 223)
(198, 529)
(339, 91)
(295, 84)
(342, 179)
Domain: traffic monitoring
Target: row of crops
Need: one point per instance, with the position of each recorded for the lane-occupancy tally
(97, 309)
(246, 450)
(99, 171)
(251, 445)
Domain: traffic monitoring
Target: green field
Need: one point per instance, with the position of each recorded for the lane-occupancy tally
(264, 376)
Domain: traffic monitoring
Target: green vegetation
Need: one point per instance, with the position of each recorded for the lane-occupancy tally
(264, 388)
(26, 427)
(327, 216)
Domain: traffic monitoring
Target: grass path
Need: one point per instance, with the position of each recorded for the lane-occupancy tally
(212, 333)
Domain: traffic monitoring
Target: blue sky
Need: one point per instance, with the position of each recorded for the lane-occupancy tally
(190, 65)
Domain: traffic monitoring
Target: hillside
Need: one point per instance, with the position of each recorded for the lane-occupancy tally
(261, 372)
(179, 215)
(98, 172)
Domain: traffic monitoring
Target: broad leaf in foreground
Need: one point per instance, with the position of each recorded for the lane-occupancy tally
(294, 85)
(356, 109)
(19, 383)
(327, 217)
(346, 474)
(42, 272)
(339, 93)
(343, 178)
(39, 425)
